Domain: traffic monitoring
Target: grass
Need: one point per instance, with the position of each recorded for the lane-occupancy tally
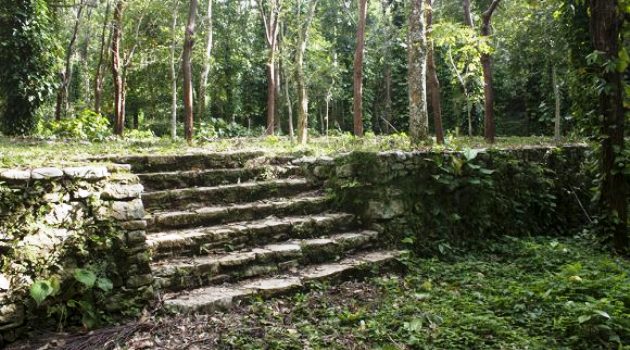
(27, 152)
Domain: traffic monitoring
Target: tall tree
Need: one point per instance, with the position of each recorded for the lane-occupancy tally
(417, 66)
(203, 84)
(271, 20)
(357, 103)
(606, 24)
(66, 74)
(299, 66)
(187, 69)
(174, 71)
(99, 76)
(119, 107)
(432, 79)
(486, 64)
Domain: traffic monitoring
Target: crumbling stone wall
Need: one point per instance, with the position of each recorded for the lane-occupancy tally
(46, 213)
(436, 198)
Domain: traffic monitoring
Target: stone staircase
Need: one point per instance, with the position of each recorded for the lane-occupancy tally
(227, 226)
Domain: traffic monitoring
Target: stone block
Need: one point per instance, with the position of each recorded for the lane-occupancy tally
(121, 191)
(139, 281)
(87, 172)
(134, 225)
(16, 175)
(46, 173)
(121, 211)
(135, 237)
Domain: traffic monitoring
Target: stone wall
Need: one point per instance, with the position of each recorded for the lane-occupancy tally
(56, 220)
(436, 199)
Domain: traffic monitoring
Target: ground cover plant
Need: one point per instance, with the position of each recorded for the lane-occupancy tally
(529, 293)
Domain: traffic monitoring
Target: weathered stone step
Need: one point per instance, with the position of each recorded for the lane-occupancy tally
(178, 274)
(216, 215)
(235, 193)
(209, 299)
(155, 163)
(242, 234)
(213, 177)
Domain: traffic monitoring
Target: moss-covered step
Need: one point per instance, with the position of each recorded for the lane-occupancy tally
(214, 177)
(186, 273)
(216, 215)
(243, 234)
(212, 298)
(155, 163)
(234, 193)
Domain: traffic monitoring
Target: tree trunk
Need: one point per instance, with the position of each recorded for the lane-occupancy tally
(433, 81)
(301, 81)
(203, 85)
(556, 94)
(387, 74)
(187, 69)
(357, 104)
(417, 46)
(174, 72)
(119, 99)
(98, 79)
(288, 101)
(271, 22)
(468, 18)
(606, 23)
(277, 95)
(62, 94)
(488, 88)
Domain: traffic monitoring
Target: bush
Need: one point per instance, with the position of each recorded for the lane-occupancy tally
(86, 126)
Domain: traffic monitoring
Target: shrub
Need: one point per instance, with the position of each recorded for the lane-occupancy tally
(86, 126)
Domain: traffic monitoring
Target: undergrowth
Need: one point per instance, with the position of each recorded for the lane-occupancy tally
(516, 294)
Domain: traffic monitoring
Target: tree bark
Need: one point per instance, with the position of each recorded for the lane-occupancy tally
(301, 81)
(488, 88)
(271, 22)
(468, 19)
(606, 24)
(98, 79)
(174, 72)
(119, 108)
(433, 81)
(62, 94)
(387, 74)
(357, 104)
(187, 69)
(203, 85)
(556, 94)
(417, 56)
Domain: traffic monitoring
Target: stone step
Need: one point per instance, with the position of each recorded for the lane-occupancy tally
(216, 215)
(156, 163)
(209, 299)
(242, 234)
(235, 193)
(214, 177)
(186, 273)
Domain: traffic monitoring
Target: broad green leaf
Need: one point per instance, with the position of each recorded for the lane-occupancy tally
(86, 277)
(104, 284)
(40, 290)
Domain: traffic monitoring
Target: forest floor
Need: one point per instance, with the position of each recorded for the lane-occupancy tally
(529, 293)
(30, 152)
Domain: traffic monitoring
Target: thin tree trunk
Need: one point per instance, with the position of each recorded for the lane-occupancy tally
(556, 94)
(301, 81)
(417, 46)
(98, 79)
(461, 80)
(187, 69)
(62, 94)
(433, 81)
(468, 18)
(119, 109)
(387, 75)
(357, 104)
(288, 101)
(278, 97)
(174, 72)
(85, 59)
(327, 117)
(488, 88)
(606, 24)
(203, 85)
(271, 22)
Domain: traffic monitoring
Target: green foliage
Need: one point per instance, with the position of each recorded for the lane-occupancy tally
(539, 293)
(88, 125)
(28, 54)
(219, 128)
